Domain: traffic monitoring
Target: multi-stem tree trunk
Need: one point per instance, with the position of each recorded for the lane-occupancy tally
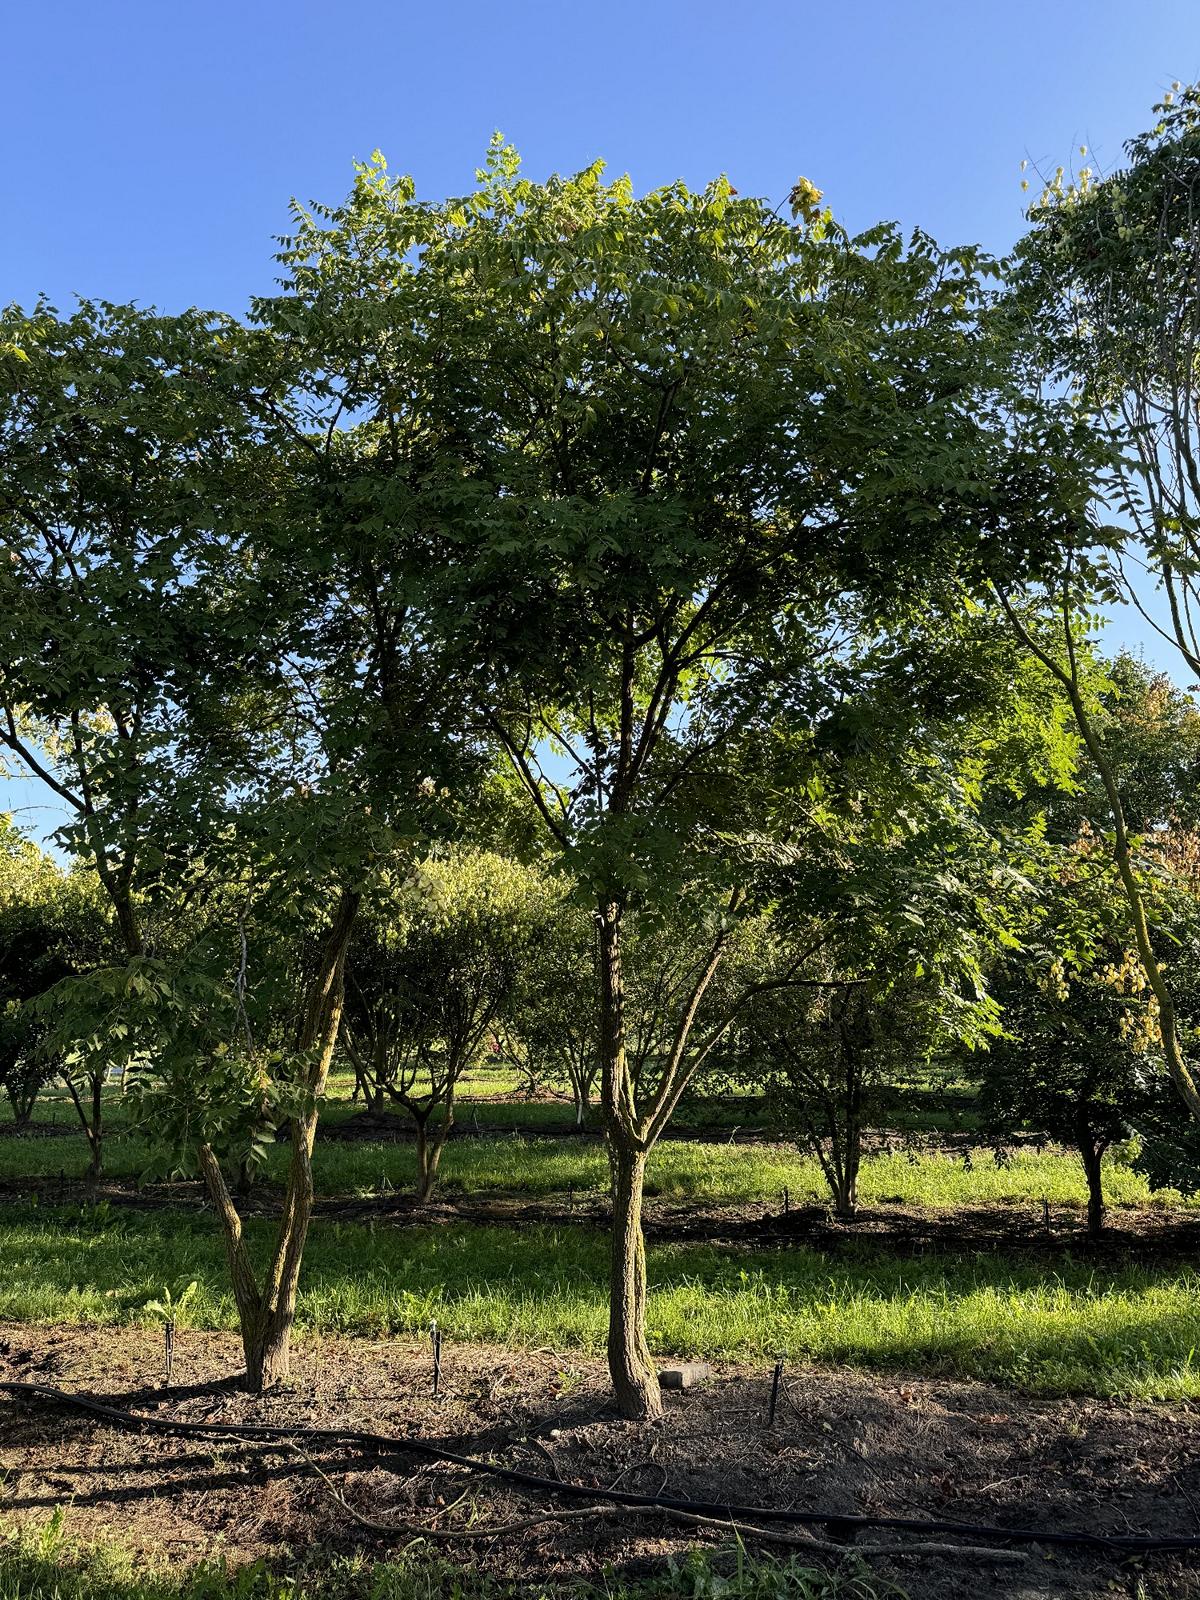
(91, 1118)
(22, 1110)
(266, 1312)
(430, 1145)
(631, 1368)
(845, 1188)
(848, 1138)
(582, 1076)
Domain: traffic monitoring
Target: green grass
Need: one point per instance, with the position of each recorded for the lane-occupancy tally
(680, 1170)
(1131, 1333)
(41, 1566)
(936, 1109)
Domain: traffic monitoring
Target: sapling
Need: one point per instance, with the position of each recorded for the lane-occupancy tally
(168, 1310)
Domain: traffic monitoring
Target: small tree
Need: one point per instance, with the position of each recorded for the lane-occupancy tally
(213, 1069)
(553, 1033)
(54, 923)
(433, 976)
(828, 1055)
(1080, 1042)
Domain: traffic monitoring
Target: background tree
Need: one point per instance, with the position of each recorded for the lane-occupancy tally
(1079, 1049)
(126, 458)
(1106, 298)
(30, 962)
(54, 923)
(552, 1035)
(433, 977)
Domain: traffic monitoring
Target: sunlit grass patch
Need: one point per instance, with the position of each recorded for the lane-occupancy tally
(1132, 1332)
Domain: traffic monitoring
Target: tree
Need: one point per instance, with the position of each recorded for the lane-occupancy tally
(432, 978)
(29, 963)
(53, 925)
(674, 446)
(1079, 1047)
(125, 456)
(1105, 295)
(553, 1033)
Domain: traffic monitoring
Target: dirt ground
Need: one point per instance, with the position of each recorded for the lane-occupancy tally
(842, 1442)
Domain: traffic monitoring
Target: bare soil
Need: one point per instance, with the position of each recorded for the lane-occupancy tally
(842, 1442)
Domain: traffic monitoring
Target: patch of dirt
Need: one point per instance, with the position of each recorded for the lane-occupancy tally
(842, 1442)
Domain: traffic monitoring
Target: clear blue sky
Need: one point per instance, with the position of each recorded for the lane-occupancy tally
(148, 150)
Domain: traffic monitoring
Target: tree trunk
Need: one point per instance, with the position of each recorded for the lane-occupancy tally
(580, 1095)
(845, 1194)
(846, 1201)
(22, 1109)
(127, 922)
(1092, 1160)
(425, 1176)
(630, 1365)
(1091, 1151)
(266, 1315)
(241, 1270)
(96, 1132)
(634, 1378)
(429, 1153)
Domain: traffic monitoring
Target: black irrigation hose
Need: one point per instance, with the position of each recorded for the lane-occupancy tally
(843, 1526)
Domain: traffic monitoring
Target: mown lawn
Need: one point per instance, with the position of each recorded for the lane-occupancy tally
(1130, 1332)
(679, 1170)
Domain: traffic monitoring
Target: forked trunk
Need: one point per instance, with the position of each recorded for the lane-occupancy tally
(428, 1154)
(266, 1314)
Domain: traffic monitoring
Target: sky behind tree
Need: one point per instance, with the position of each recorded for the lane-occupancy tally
(150, 149)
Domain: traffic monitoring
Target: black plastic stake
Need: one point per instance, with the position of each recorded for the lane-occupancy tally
(168, 1348)
(435, 1336)
(776, 1380)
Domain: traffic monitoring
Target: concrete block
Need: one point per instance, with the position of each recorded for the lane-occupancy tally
(685, 1375)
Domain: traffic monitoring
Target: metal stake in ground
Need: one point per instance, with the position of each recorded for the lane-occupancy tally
(435, 1339)
(168, 1348)
(776, 1380)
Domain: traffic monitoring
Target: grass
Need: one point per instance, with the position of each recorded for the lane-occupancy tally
(41, 1566)
(680, 1170)
(1131, 1332)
